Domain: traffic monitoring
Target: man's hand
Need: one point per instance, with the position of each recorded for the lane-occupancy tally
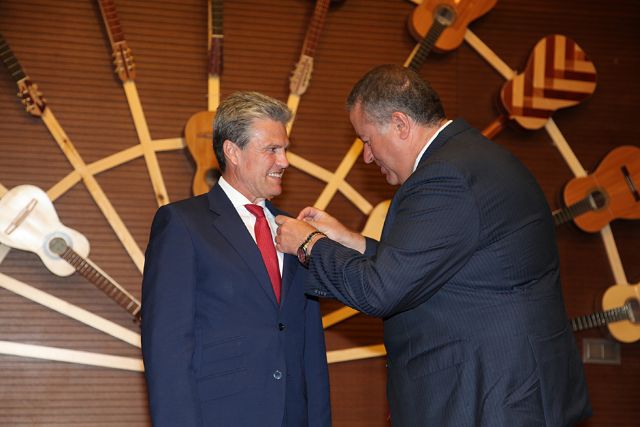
(291, 233)
(333, 228)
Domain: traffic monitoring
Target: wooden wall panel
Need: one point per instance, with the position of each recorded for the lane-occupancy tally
(64, 48)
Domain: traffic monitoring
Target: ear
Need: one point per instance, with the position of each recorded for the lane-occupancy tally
(231, 152)
(401, 124)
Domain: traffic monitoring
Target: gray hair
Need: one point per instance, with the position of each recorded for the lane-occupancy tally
(390, 88)
(235, 116)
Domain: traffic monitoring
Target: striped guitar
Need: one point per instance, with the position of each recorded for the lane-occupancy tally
(612, 191)
(440, 25)
(28, 221)
(558, 75)
(621, 314)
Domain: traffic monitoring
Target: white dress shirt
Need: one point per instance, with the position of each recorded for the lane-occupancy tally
(239, 200)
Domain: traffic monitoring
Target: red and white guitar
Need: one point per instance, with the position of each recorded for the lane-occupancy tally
(28, 221)
(558, 75)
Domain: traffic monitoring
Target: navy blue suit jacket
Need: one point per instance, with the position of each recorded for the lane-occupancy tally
(218, 349)
(466, 278)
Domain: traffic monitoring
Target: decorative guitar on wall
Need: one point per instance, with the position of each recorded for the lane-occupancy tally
(558, 75)
(125, 69)
(28, 221)
(440, 25)
(621, 314)
(301, 76)
(32, 98)
(198, 131)
(612, 191)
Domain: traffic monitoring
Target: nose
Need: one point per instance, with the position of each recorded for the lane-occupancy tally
(367, 154)
(282, 160)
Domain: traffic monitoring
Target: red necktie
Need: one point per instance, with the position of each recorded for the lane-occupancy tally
(267, 249)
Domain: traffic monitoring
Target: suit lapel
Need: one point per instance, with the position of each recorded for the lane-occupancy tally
(227, 222)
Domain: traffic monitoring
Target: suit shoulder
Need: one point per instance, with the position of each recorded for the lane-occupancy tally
(184, 206)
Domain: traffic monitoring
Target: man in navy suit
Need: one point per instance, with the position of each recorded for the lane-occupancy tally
(229, 338)
(465, 275)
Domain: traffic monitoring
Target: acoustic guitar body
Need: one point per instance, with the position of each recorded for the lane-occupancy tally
(198, 134)
(28, 221)
(558, 75)
(617, 296)
(458, 13)
(617, 178)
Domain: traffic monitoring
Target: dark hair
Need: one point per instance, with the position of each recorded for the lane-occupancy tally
(389, 88)
(235, 116)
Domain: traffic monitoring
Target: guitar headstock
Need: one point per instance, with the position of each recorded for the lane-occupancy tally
(558, 75)
(123, 61)
(299, 81)
(32, 98)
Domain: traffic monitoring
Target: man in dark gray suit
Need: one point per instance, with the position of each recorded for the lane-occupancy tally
(465, 275)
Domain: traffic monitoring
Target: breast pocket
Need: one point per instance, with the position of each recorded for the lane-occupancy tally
(222, 371)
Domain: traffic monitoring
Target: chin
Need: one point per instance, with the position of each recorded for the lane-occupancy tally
(392, 180)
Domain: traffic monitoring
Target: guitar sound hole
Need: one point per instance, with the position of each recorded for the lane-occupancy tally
(58, 245)
(445, 15)
(597, 200)
(633, 308)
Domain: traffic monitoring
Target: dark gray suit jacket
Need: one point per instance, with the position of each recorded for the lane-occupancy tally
(218, 349)
(466, 278)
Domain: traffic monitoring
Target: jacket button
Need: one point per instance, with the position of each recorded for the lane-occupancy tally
(282, 326)
(277, 374)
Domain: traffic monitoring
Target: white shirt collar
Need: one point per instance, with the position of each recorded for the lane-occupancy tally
(421, 153)
(237, 198)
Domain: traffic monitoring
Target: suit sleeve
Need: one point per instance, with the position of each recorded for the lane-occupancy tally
(316, 370)
(168, 308)
(434, 231)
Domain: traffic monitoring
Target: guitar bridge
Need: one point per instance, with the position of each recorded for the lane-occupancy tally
(22, 215)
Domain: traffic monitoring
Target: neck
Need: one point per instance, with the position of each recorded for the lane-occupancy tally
(232, 180)
(419, 139)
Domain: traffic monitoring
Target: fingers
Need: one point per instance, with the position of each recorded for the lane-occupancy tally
(281, 219)
(309, 212)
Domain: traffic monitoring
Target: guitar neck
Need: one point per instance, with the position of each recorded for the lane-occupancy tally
(215, 48)
(594, 201)
(299, 80)
(601, 318)
(122, 58)
(426, 45)
(10, 61)
(111, 20)
(32, 99)
(315, 27)
(107, 285)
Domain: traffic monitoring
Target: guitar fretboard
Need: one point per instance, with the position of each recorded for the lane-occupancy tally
(113, 291)
(601, 318)
(426, 45)
(215, 52)
(594, 201)
(315, 28)
(111, 20)
(10, 60)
